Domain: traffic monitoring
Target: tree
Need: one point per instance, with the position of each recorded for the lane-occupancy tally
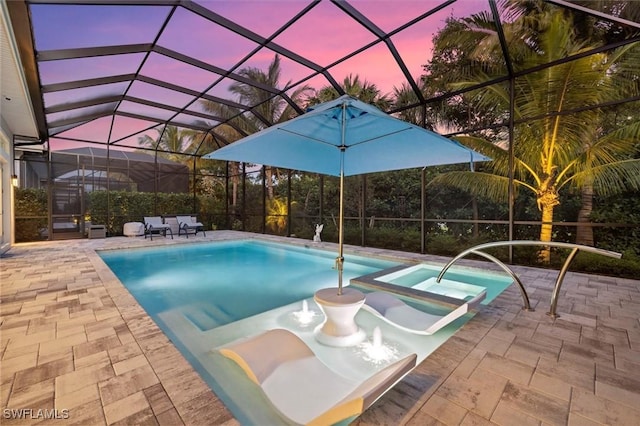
(366, 92)
(353, 86)
(558, 144)
(454, 60)
(277, 214)
(421, 115)
(273, 109)
(169, 142)
(210, 170)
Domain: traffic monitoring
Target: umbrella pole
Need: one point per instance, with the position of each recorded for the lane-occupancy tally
(340, 258)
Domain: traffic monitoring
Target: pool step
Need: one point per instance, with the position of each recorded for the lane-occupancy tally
(206, 316)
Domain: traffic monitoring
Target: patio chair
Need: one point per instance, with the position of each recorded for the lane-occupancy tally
(300, 386)
(397, 313)
(155, 225)
(188, 224)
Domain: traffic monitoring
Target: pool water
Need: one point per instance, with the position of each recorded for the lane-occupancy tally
(231, 280)
(458, 282)
(205, 295)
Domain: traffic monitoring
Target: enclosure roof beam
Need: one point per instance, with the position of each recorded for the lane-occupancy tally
(161, 121)
(90, 82)
(597, 14)
(382, 36)
(90, 52)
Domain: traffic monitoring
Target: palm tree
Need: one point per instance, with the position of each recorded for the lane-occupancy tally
(277, 214)
(168, 143)
(560, 147)
(272, 108)
(403, 96)
(353, 86)
(455, 59)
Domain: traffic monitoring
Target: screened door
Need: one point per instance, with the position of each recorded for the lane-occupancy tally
(68, 204)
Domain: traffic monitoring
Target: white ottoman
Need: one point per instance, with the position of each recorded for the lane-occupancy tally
(133, 229)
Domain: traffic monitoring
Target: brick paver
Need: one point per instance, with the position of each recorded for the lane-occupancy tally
(73, 338)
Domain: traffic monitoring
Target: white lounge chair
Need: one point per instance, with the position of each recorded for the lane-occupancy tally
(154, 224)
(187, 224)
(397, 313)
(300, 386)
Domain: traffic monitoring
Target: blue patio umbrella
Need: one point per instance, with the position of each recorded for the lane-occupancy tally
(346, 137)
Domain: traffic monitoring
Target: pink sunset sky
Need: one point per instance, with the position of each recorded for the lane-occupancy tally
(324, 35)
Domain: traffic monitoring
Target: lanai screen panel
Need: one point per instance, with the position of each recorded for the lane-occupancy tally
(102, 60)
(119, 171)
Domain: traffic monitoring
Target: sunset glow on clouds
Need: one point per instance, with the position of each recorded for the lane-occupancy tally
(324, 35)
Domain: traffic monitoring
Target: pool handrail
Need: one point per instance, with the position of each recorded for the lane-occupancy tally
(477, 250)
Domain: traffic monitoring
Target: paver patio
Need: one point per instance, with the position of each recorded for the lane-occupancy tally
(73, 339)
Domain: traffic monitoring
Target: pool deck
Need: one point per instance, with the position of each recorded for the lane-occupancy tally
(73, 339)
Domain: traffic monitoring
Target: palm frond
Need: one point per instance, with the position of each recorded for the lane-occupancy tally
(614, 147)
(623, 138)
(487, 185)
(500, 158)
(483, 146)
(610, 179)
(626, 62)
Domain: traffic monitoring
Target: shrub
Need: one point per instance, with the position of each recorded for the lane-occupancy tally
(628, 266)
(31, 214)
(443, 244)
(30, 202)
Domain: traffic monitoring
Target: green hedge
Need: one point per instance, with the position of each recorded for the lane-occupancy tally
(31, 219)
(115, 208)
(31, 214)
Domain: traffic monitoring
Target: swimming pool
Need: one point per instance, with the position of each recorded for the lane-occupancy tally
(230, 280)
(205, 295)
